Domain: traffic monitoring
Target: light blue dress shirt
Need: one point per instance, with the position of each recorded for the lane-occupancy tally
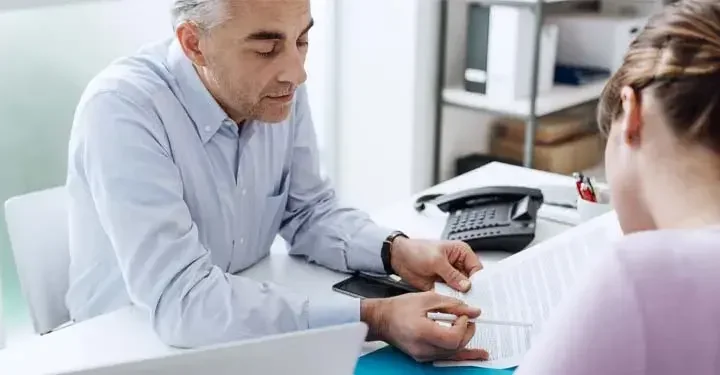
(169, 198)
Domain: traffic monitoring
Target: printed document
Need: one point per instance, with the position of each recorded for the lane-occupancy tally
(527, 287)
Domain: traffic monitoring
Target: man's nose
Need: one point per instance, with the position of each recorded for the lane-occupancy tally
(294, 68)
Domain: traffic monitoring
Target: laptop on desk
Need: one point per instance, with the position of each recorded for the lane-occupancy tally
(328, 351)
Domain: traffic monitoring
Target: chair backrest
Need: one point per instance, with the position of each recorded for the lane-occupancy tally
(38, 228)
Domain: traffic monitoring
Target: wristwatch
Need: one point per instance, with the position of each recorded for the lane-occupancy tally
(386, 251)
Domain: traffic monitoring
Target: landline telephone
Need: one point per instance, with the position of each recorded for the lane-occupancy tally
(499, 218)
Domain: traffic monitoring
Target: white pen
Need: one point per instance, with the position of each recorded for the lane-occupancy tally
(449, 318)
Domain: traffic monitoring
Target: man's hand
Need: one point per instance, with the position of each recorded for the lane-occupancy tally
(421, 263)
(402, 321)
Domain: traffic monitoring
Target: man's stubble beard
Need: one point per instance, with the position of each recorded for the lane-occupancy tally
(235, 103)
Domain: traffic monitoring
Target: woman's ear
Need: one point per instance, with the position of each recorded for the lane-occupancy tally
(632, 122)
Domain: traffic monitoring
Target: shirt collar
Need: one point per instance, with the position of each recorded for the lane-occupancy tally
(203, 109)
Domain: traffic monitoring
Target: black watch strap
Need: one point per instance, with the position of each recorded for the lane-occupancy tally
(386, 251)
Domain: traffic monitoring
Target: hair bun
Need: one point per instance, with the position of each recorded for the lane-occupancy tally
(676, 57)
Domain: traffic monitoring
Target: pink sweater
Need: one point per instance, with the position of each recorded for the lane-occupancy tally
(651, 307)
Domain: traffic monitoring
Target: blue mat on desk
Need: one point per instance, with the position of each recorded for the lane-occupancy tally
(391, 361)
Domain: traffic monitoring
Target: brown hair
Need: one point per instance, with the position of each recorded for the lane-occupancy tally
(677, 56)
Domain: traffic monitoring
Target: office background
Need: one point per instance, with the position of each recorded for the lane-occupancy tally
(373, 68)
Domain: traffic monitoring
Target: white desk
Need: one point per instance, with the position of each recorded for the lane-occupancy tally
(126, 335)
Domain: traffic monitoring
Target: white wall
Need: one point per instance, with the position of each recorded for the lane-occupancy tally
(385, 124)
(386, 95)
(320, 66)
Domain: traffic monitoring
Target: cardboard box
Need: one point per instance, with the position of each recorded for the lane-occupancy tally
(632, 7)
(551, 129)
(576, 154)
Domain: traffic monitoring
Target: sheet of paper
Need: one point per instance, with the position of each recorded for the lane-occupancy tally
(528, 286)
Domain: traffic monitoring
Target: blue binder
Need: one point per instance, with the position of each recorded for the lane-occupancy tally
(391, 361)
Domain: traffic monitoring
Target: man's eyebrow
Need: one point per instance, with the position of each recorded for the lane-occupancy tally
(266, 35)
(275, 35)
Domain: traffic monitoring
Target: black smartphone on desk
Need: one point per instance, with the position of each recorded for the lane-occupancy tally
(364, 286)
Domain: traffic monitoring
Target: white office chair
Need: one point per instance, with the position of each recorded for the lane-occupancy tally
(2, 320)
(37, 225)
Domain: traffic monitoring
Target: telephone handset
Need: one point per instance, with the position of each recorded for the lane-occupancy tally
(499, 218)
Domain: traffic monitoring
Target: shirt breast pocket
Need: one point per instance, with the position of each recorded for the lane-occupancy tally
(273, 212)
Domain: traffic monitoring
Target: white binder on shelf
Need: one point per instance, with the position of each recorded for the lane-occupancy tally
(510, 53)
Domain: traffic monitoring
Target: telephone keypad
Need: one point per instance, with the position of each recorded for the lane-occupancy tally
(471, 220)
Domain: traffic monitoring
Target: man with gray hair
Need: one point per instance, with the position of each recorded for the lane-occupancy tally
(189, 157)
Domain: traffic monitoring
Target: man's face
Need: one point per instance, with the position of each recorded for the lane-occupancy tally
(256, 59)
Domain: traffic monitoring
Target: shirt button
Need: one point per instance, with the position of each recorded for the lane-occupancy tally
(208, 128)
(242, 241)
(244, 191)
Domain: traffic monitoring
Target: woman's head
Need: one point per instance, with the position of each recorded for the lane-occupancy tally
(661, 111)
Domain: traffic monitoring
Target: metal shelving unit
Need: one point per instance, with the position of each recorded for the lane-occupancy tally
(561, 97)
